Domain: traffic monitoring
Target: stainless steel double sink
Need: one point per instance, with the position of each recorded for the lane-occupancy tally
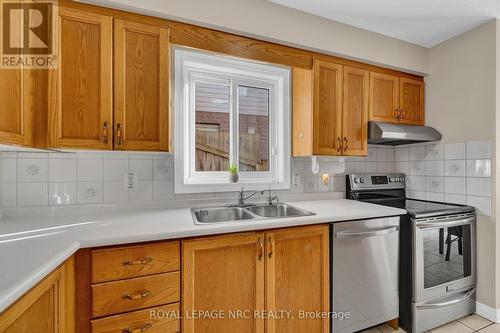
(252, 212)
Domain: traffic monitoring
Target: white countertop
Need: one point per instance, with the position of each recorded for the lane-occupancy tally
(32, 248)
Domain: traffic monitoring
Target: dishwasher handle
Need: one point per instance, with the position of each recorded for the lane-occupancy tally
(365, 234)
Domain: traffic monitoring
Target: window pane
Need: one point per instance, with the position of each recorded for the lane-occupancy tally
(253, 128)
(212, 126)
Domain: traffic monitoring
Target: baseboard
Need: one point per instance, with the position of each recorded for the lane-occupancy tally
(488, 312)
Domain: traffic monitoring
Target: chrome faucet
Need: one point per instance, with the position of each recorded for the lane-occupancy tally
(242, 198)
(270, 197)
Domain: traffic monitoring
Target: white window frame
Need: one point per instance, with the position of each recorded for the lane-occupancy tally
(191, 66)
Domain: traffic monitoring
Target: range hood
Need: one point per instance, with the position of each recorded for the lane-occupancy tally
(382, 133)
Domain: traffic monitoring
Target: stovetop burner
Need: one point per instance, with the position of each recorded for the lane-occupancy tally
(390, 190)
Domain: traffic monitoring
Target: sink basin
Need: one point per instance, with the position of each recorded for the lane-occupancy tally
(278, 210)
(235, 214)
(223, 214)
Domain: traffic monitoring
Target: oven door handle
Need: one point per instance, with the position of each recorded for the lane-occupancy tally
(447, 224)
(467, 295)
(364, 234)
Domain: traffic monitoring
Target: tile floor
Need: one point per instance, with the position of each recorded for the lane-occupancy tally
(469, 324)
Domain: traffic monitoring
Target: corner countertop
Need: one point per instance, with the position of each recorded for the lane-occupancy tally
(31, 248)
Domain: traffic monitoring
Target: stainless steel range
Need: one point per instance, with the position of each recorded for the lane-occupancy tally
(437, 275)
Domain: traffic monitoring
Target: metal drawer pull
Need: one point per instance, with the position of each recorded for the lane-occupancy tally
(447, 224)
(137, 296)
(364, 234)
(145, 261)
(137, 330)
(455, 301)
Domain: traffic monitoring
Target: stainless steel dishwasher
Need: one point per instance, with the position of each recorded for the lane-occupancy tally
(365, 259)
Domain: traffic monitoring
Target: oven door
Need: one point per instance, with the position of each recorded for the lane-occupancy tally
(444, 255)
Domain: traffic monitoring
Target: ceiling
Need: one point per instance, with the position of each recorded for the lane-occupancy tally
(422, 22)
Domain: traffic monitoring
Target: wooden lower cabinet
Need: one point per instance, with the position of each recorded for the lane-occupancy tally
(223, 273)
(261, 275)
(47, 308)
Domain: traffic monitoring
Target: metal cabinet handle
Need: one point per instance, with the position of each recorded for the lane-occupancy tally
(261, 249)
(346, 141)
(119, 140)
(364, 234)
(445, 224)
(402, 113)
(271, 244)
(105, 132)
(339, 141)
(140, 295)
(454, 301)
(144, 261)
(137, 330)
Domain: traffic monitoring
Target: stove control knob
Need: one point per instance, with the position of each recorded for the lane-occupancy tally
(356, 180)
(392, 179)
(362, 180)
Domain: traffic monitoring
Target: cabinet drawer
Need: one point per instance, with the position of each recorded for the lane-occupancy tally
(164, 320)
(134, 261)
(121, 296)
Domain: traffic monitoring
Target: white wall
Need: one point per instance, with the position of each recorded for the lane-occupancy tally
(461, 103)
(272, 22)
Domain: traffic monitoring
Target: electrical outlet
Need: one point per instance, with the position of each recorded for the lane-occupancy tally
(296, 179)
(131, 180)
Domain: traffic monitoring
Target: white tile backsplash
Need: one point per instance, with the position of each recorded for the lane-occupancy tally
(478, 168)
(454, 172)
(62, 193)
(454, 151)
(479, 187)
(62, 170)
(434, 152)
(455, 185)
(434, 168)
(478, 149)
(90, 169)
(32, 194)
(417, 153)
(90, 192)
(436, 171)
(454, 168)
(32, 170)
(143, 167)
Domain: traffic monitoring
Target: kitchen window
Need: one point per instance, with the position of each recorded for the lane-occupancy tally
(230, 111)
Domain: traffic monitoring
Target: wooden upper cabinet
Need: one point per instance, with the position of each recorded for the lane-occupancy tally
(223, 273)
(411, 101)
(327, 112)
(297, 277)
(141, 61)
(46, 308)
(384, 97)
(80, 98)
(17, 106)
(355, 111)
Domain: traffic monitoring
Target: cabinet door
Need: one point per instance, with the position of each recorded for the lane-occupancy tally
(355, 112)
(18, 106)
(297, 278)
(141, 86)
(47, 308)
(411, 101)
(80, 98)
(327, 114)
(223, 273)
(384, 97)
